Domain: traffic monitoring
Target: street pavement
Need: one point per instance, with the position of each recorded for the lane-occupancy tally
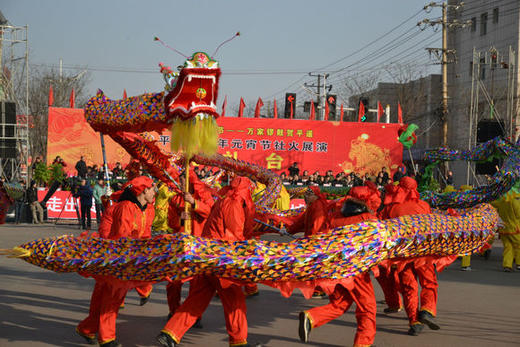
(42, 308)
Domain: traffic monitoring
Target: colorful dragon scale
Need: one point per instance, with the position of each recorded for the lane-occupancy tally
(500, 183)
(342, 253)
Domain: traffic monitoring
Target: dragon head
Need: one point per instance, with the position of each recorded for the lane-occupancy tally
(194, 90)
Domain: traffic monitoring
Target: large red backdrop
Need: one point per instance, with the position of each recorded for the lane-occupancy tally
(272, 143)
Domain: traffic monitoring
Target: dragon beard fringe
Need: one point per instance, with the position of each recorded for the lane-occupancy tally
(196, 135)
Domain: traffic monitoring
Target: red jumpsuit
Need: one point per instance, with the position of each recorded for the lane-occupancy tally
(406, 202)
(388, 278)
(313, 221)
(128, 220)
(231, 219)
(341, 299)
(199, 213)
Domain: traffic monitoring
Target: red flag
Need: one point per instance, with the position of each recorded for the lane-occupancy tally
(259, 105)
(313, 111)
(275, 110)
(241, 108)
(342, 113)
(124, 94)
(327, 110)
(51, 96)
(380, 111)
(399, 113)
(72, 99)
(361, 113)
(224, 104)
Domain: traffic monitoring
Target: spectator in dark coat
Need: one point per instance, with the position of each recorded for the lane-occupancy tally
(19, 205)
(81, 167)
(85, 194)
(294, 170)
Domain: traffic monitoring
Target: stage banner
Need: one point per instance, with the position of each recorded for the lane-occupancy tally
(61, 205)
(271, 143)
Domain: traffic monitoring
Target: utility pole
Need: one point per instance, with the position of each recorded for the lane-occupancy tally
(321, 92)
(442, 54)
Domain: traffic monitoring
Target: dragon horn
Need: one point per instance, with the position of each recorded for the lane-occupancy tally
(223, 43)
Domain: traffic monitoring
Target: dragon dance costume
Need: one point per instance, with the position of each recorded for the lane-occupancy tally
(226, 253)
(198, 215)
(128, 219)
(231, 219)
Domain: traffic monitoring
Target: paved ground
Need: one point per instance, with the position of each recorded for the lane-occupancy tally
(41, 308)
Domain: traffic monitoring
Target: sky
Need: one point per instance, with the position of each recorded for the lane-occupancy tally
(281, 41)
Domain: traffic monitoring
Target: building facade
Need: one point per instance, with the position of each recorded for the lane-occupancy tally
(482, 75)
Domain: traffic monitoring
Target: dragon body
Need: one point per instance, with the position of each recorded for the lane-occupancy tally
(188, 102)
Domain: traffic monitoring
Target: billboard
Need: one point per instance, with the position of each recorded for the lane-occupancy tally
(272, 143)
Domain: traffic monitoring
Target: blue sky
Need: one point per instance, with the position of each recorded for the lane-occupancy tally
(281, 40)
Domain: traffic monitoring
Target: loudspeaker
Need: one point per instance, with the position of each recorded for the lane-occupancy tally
(9, 113)
(488, 130)
(7, 148)
(7, 119)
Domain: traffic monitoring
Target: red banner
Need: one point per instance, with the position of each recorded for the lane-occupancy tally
(61, 205)
(272, 143)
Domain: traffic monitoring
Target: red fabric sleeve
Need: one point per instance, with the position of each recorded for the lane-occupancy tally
(123, 220)
(234, 220)
(203, 207)
(106, 222)
(316, 218)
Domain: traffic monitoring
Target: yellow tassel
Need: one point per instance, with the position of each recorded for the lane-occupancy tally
(16, 252)
(197, 135)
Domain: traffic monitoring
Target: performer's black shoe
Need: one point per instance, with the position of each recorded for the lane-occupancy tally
(250, 295)
(390, 310)
(112, 343)
(508, 269)
(198, 324)
(305, 327)
(427, 318)
(166, 340)
(415, 329)
(487, 254)
(144, 300)
(91, 340)
(318, 294)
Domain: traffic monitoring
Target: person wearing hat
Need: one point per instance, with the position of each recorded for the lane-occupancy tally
(358, 206)
(201, 200)
(231, 219)
(388, 277)
(405, 201)
(132, 217)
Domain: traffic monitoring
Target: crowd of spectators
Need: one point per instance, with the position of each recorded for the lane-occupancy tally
(294, 178)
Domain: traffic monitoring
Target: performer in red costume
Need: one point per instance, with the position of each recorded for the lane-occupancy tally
(314, 220)
(388, 277)
(405, 201)
(201, 201)
(357, 207)
(231, 219)
(132, 217)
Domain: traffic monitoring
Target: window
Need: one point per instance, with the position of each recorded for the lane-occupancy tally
(483, 24)
(473, 24)
(482, 67)
(495, 15)
(470, 69)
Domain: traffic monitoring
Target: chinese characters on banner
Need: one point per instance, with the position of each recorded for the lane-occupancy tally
(61, 205)
(271, 143)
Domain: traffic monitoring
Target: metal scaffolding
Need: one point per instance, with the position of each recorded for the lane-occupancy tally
(14, 87)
